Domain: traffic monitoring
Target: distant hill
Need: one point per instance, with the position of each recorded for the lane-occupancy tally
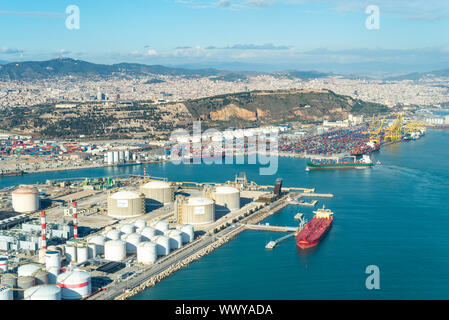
(420, 75)
(31, 70)
(303, 74)
(278, 106)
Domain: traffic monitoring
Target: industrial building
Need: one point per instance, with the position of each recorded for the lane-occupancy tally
(196, 210)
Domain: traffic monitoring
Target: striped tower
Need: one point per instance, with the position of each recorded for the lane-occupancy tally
(43, 230)
(75, 220)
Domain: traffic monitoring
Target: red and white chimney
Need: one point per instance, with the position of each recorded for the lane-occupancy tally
(43, 230)
(75, 220)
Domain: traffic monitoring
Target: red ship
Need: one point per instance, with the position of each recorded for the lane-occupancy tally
(315, 230)
(367, 148)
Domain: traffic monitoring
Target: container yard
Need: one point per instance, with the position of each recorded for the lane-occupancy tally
(112, 242)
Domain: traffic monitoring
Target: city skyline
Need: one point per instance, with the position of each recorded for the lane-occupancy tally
(248, 34)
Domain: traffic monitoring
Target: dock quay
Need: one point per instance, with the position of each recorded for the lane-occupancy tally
(274, 243)
(267, 227)
(316, 195)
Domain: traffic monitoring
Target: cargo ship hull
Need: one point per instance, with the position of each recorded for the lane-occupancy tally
(314, 166)
(312, 234)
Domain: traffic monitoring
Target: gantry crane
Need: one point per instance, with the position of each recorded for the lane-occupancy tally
(394, 132)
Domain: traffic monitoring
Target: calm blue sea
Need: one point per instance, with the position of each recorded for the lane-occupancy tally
(394, 216)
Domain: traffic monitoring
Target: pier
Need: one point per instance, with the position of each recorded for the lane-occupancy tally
(267, 227)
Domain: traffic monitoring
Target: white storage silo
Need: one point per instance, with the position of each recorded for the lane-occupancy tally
(28, 270)
(128, 228)
(70, 253)
(132, 241)
(75, 284)
(113, 234)
(4, 265)
(226, 198)
(121, 155)
(24, 283)
(198, 211)
(53, 273)
(99, 241)
(110, 157)
(92, 250)
(9, 279)
(187, 233)
(161, 226)
(115, 250)
(158, 192)
(115, 157)
(147, 252)
(82, 253)
(163, 245)
(52, 259)
(148, 232)
(127, 155)
(175, 239)
(6, 293)
(126, 204)
(140, 224)
(40, 277)
(45, 292)
(25, 200)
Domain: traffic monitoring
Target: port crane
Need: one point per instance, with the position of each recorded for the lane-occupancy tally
(376, 130)
(394, 132)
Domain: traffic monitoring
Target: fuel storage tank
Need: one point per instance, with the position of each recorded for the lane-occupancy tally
(163, 245)
(45, 292)
(187, 233)
(126, 204)
(226, 198)
(197, 210)
(25, 199)
(158, 192)
(6, 293)
(148, 232)
(115, 250)
(147, 252)
(175, 238)
(74, 284)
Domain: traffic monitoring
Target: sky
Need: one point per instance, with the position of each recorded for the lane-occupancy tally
(329, 36)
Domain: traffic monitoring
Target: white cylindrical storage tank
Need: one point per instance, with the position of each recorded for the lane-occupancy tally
(82, 254)
(121, 155)
(128, 228)
(113, 234)
(4, 265)
(40, 277)
(115, 157)
(6, 293)
(187, 233)
(132, 241)
(115, 250)
(52, 259)
(140, 224)
(28, 270)
(110, 158)
(175, 239)
(127, 155)
(163, 245)
(92, 250)
(198, 211)
(126, 204)
(9, 279)
(25, 200)
(70, 253)
(147, 252)
(53, 273)
(158, 192)
(45, 292)
(24, 283)
(160, 226)
(226, 198)
(99, 241)
(148, 232)
(75, 284)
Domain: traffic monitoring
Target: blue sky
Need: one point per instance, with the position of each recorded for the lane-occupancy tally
(326, 35)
